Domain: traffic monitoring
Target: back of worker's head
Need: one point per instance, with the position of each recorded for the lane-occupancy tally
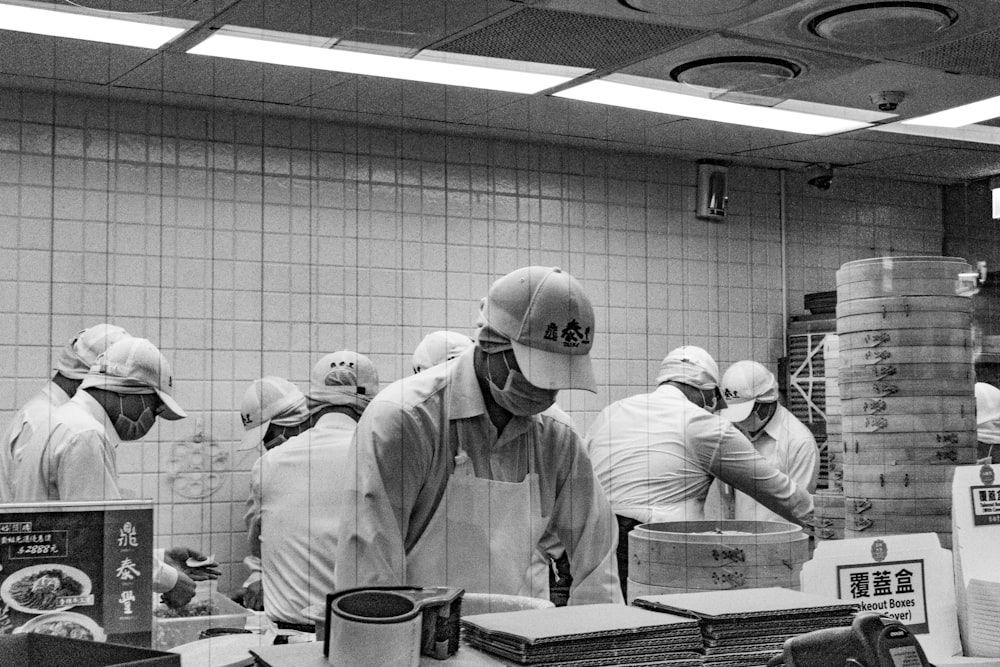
(438, 347)
(272, 410)
(81, 352)
(693, 367)
(344, 378)
(987, 413)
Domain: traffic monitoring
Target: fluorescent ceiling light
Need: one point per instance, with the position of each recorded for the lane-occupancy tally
(427, 67)
(967, 114)
(93, 26)
(667, 97)
(980, 134)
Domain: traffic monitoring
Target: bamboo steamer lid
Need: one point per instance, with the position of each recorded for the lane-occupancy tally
(917, 286)
(901, 475)
(886, 524)
(896, 338)
(886, 270)
(695, 555)
(949, 456)
(898, 320)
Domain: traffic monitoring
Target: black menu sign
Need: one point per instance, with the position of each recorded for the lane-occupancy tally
(80, 569)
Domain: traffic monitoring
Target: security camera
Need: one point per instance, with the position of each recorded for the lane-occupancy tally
(819, 175)
(887, 100)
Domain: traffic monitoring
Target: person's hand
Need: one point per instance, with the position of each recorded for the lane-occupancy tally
(191, 563)
(253, 598)
(181, 593)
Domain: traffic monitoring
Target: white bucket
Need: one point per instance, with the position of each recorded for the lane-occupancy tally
(373, 628)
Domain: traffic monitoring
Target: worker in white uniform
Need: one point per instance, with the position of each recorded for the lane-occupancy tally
(76, 358)
(118, 400)
(656, 454)
(272, 410)
(987, 421)
(292, 514)
(438, 347)
(455, 473)
(751, 395)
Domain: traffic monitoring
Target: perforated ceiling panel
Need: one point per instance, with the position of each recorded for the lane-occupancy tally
(978, 54)
(565, 38)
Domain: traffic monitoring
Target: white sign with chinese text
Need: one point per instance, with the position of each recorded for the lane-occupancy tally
(892, 589)
(909, 577)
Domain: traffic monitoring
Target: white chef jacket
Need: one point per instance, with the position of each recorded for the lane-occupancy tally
(656, 455)
(75, 460)
(292, 516)
(788, 444)
(34, 416)
(404, 455)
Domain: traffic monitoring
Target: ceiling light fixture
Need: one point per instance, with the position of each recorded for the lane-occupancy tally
(980, 134)
(967, 114)
(675, 99)
(90, 25)
(426, 67)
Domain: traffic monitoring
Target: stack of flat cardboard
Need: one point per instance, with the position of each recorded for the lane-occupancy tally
(587, 635)
(743, 627)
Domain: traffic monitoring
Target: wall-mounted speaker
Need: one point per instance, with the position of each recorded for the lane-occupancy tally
(712, 197)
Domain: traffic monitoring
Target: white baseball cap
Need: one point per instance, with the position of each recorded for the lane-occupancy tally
(135, 366)
(344, 378)
(270, 399)
(690, 365)
(438, 347)
(550, 323)
(744, 384)
(82, 351)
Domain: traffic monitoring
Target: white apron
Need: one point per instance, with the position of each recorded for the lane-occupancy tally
(482, 536)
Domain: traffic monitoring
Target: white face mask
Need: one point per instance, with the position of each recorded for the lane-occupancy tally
(518, 396)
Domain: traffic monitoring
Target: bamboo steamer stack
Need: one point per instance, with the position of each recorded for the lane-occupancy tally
(907, 392)
(689, 556)
(829, 502)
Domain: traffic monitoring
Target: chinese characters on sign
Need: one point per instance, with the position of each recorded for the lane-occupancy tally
(893, 589)
(985, 505)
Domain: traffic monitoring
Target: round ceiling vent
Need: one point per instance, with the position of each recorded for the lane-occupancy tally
(151, 7)
(882, 24)
(686, 7)
(745, 74)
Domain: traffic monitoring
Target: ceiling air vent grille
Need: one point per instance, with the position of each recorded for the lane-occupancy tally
(565, 38)
(977, 54)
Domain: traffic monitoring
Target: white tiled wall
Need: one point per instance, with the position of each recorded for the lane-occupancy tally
(245, 246)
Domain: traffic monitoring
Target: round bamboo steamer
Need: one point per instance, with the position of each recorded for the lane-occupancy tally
(884, 270)
(883, 307)
(901, 474)
(892, 338)
(848, 324)
(917, 286)
(639, 589)
(860, 442)
(898, 523)
(693, 556)
(912, 423)
(903, 372)
(883, 506)
(894, 488)
(911, 354)
(945, 456)
(892, 386)
(908, 405)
